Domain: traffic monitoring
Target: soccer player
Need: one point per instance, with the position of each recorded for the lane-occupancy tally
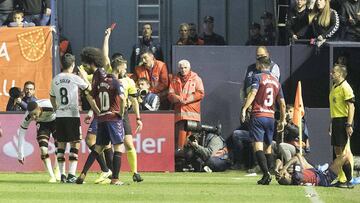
(110, 100)
(93, 62)
(303, 173)
(265, 90)
(130, 93)
(64, 99)
(42, 112)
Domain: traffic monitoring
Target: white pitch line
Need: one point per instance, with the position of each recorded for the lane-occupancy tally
(312, 194)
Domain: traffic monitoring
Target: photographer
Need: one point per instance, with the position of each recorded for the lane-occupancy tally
(148, 101)
(206, 150)
(18, 100)
(291, 144)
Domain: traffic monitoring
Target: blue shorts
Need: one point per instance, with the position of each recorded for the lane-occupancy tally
(325, 178)
(110, 131)
(262, 129)
(93, 127)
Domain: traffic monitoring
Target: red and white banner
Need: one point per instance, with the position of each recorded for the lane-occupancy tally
(154, 144)
(25, 55)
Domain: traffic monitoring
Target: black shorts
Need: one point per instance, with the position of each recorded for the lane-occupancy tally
(68, 129)
(46, 128)
(127, 127)
(339, 136)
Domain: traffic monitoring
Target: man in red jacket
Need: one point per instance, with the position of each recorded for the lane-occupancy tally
(156, 72)
(186, 92)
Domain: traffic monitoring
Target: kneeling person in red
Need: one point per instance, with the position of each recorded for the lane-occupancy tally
(110, 100)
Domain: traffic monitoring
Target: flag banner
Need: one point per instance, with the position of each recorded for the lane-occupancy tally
(299, 111)
(25, 54)
(154, 144)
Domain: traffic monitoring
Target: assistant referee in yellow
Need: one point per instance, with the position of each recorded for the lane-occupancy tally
(342, 110)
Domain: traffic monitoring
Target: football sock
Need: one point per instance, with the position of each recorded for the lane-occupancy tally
(100, 159)
(47, 163)
(270, 161)
(108, 153)
(116, 165)
(73, 160)
(261, 159)
(132, 159)
(72, 167)
(347, 170)
(89, 161)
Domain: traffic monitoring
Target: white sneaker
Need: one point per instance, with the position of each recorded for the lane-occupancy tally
(103, 176)
(52, 180)
(207, 169)
(107, 181)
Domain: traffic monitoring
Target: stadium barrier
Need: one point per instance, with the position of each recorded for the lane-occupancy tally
(154, 144)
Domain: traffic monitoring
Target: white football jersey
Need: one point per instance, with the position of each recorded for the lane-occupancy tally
(65, 88)
(47, 114)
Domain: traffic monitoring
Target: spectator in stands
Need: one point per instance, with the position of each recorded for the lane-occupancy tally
(261, 51)
(269, 28)
(148, 101)
(146, 43)
(194, 35)
(64, 46)
(36, 11)
(6, 8)
(209, 36)
(255, 39)
(21, 101)
(324, 22)
(350, 18)
(186, 92)
(18, 20)
(184, 35)
(297, 21)
(291, 144)
(157, 73)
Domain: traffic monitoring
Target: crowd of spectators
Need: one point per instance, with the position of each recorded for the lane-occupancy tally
(24, 13)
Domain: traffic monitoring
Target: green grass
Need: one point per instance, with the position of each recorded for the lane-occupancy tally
(225, 187)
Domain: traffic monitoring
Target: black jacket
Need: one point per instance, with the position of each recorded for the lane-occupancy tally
(33, 7)
(329, 31)
(350, 10)
(297, 23)
(213, 39)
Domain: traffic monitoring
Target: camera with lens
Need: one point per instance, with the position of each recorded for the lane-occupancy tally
(200, 130)
(15, 92)
(142, 93)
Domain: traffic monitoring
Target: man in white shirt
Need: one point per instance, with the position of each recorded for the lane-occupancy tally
(64, 95)
(42, 112)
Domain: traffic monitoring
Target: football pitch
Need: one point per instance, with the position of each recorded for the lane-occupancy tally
(232, 186)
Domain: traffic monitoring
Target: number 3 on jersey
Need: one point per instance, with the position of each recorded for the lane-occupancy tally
(104, 101)
(269, 101)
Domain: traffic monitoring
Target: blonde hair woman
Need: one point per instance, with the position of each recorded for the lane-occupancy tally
(324, 21)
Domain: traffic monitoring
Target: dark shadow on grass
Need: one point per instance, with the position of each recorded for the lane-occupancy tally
(25, 182)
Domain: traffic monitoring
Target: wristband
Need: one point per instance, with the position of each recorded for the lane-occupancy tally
(138, 119)
(348, 124)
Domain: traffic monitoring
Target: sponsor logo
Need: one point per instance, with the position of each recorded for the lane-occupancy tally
(10, 148)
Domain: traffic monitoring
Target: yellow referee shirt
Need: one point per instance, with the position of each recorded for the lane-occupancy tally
(339, 94)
